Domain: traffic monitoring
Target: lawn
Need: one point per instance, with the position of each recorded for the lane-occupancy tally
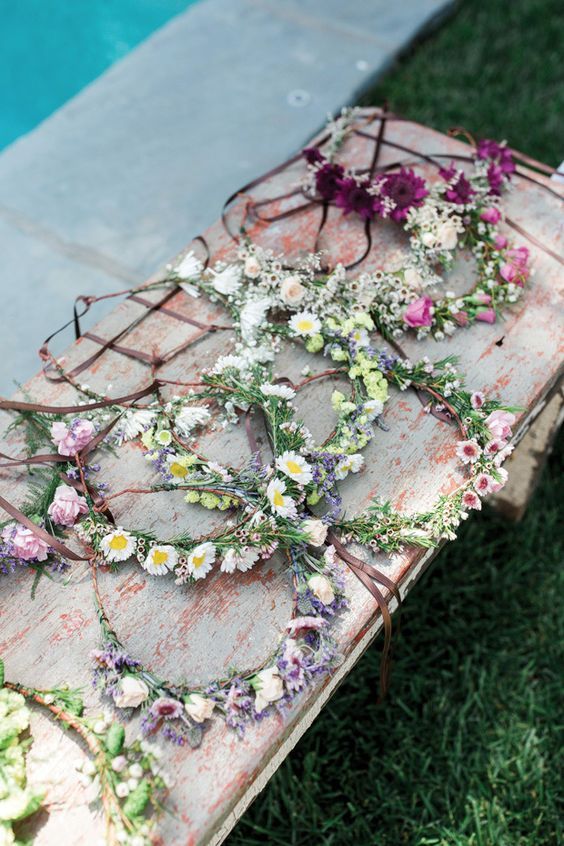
(464, 751)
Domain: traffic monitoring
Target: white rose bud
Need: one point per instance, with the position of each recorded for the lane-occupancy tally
(292, 291)
(136, 771)
(199, 708)
(119, 764)
(122, 790)
(412, 277)
(428, 239)
(321, 587)
(130, 692)
(252, 267)
(448, 236)
(269, 688)
(316, 531)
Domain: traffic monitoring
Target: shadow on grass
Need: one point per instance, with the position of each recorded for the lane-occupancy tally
(464, 750)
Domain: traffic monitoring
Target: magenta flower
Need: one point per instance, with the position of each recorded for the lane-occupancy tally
(491, 215)
(418, 313)
(498, 153)
(459, 190)
(402, 191)
(313, 155)
(515, 269)
(487, 315)
(500, 242)
(461, 318)
(495, 178)
(353, 196)
(327, 180)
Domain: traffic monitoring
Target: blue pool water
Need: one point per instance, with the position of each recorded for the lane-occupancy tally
(50, 49)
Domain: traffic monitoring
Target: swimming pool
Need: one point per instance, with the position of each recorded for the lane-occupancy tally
(50, 49)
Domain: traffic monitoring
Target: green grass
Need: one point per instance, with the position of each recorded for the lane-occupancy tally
(465, 750)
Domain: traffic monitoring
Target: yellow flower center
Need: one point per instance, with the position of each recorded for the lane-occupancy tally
(305, 325)
(118, 542)
(278, 499)
(198, 560)
(160, 556)
(294, 467)
(178, 470)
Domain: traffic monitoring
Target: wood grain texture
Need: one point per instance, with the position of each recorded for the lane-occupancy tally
(196, 633)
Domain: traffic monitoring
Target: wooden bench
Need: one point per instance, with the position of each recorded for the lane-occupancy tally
(225, 621)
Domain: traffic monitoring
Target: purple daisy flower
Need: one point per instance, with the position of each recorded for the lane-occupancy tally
(355, 197)
(459, 190)
(313, 155)
(402, 191)
(327, 180)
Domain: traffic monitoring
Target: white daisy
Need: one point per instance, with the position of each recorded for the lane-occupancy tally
(372, 408)
(349, 464)
(225, 361)
(134, 422)
(227, 281)
(160, 560)
(189, 267)
(281, 504)
(360, 337)
(118, 545)
(294, 466)
(243, 561)
(163, 437)
(281, 391)
(252, 316)
(201, 559)
(305, 323)
(189, 417)
(179, 467)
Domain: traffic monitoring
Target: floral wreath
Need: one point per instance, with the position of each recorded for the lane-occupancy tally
(129, 779)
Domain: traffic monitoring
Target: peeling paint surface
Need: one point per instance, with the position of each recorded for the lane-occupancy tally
(196, 633)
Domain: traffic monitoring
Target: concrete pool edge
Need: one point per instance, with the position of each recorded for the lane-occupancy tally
(118, 179)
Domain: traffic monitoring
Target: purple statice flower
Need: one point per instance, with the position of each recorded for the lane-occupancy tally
(387, 361)
(327, 180)
(459, 189)
(110, 663)
(398, 193)
(291, 666)
(354, 196)
(238, 705)
(313, 155)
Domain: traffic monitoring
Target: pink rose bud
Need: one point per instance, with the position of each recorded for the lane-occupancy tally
(500, 242)
(418, 313)
(70, 440)
(491, 215)
(486, 316)
(482, 297)
(499, 423)
(25, 544)
(461, 318)
(66, 506)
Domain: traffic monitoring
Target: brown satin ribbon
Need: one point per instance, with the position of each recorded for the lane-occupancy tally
(369, 576)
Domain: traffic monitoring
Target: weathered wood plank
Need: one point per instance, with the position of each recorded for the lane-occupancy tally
(197, 632)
